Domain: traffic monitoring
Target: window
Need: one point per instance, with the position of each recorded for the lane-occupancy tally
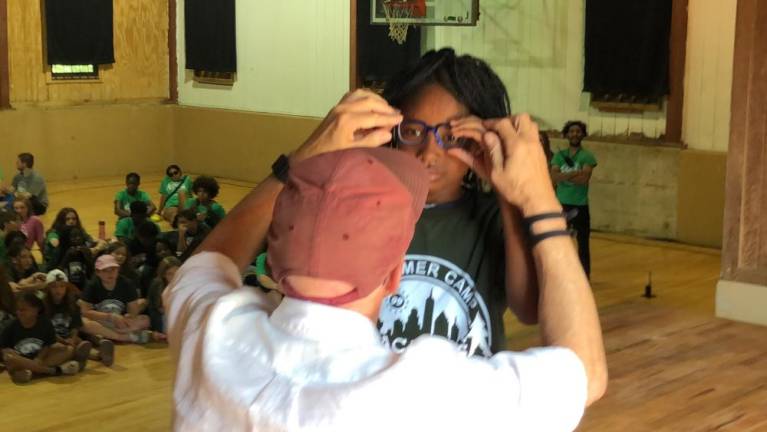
(74, 72)
(217, 78)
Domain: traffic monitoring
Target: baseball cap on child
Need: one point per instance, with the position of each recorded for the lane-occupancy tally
(346, 216)
(105, 262)
(56, 275)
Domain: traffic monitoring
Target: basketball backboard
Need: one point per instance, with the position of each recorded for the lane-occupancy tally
(437, 12)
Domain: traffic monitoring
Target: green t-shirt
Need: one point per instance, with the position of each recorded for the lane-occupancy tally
(211, 219)
(124, 199)
(168, 186)
(568, 192)
(453, 280)
(126, 228)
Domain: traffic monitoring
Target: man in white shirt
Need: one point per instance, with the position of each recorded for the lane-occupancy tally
(339, 233)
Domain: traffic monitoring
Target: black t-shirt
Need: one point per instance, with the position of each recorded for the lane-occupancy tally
(143, 255)
(63, 321)
(453, 281)
(77, 272)
(110, 301)
(29, 341)
(6, 318)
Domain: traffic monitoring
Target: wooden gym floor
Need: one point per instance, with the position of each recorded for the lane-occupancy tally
(673, 366)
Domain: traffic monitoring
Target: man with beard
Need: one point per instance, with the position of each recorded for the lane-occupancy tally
(571, 170)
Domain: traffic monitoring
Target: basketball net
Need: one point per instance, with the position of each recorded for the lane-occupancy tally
(396, 10)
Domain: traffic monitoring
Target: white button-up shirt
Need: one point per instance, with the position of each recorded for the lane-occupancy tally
(245, 363)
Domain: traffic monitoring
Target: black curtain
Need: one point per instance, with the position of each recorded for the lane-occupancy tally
(627, 47)
(378, 57)
(79, 31)
(210, 35)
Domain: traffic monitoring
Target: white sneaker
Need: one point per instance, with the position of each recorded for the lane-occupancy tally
(70, 368)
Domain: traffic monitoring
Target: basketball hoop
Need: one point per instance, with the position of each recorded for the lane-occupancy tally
(398, 12)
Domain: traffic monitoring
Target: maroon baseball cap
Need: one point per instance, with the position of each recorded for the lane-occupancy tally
(346, 216)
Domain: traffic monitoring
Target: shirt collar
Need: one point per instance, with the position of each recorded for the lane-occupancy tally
(326, 324)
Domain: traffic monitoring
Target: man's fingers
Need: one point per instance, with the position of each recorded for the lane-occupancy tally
(526, 126)
(471, 133)
(374, 138)
(463, 156)
(465, 121)
(503, 126)
(366, 103)
(354, 122)
(494, 151)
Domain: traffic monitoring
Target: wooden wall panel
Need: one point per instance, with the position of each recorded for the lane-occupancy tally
(708, 76)
(744, 255)
(4, 79)
(140, 70)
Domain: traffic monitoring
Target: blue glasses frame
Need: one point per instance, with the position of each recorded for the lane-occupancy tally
(427, 129)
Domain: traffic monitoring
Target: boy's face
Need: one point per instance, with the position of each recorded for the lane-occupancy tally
(132, 185)
(202, 195)
(191, 225)
(24, 260)
(120, 255)
(575, 135)
(20, 165)
(26, 313)
(162, 250)
(108, 276)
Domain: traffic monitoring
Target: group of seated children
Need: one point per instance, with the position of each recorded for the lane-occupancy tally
(88, 293)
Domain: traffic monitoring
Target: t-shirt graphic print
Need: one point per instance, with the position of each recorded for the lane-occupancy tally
(436, 297)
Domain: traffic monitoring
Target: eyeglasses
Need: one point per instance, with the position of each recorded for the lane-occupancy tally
(172, 173)
(414, 133)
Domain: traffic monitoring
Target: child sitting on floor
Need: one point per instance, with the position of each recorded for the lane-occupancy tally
(165, 273)
(29, 344)
(130, 194)
(110, 306)
(206, 189)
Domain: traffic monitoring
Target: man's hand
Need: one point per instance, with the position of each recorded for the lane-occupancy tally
(361, 119)
(517, 164)
(471, 128)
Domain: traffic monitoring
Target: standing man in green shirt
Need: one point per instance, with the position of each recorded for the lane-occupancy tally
(571, 171)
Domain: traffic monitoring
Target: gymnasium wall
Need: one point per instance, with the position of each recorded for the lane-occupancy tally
(292, 58)
(90, 129)
(708, 74)
(239, 145)
(293, 66)
(536, 47)
(140, 70)
(89, 141)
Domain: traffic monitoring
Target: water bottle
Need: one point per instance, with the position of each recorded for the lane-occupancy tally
(102, 230)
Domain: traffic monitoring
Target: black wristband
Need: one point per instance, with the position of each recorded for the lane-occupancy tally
(280, 168)
(543, 216)
(537, 238)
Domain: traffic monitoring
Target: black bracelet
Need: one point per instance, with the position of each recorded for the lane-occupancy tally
(537, 238)
(543, 216)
